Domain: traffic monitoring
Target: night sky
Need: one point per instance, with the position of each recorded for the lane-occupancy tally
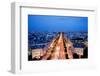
(50, 23)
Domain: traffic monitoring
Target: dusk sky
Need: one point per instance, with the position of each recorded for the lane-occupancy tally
(50, 23)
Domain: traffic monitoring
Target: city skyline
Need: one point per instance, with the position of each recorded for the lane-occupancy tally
(57, 37)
